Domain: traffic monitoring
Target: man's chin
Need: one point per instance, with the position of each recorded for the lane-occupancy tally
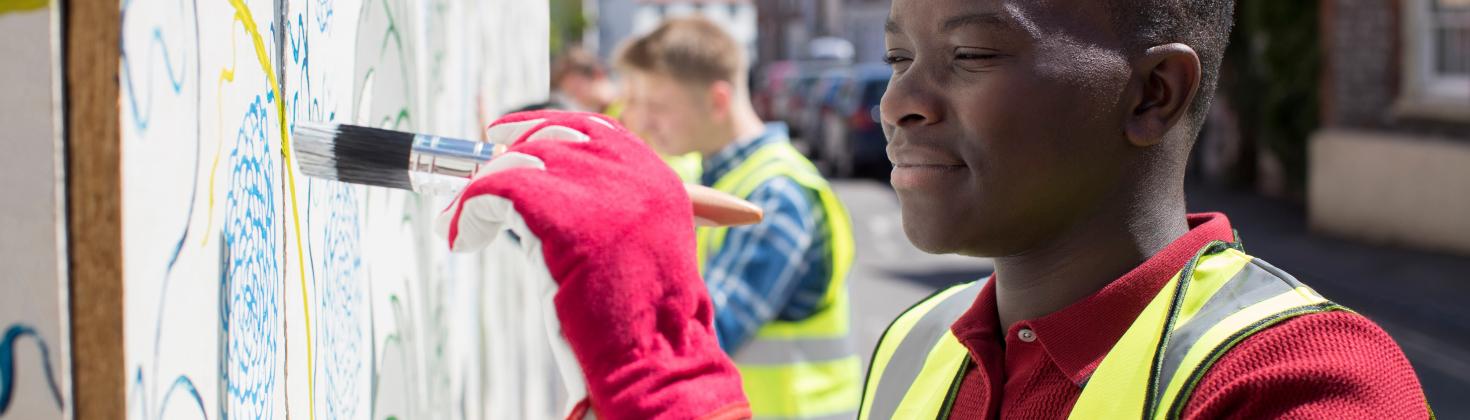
(929, 236)
(667, 149)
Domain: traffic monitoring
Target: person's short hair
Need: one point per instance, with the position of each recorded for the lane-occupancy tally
(692, 50)
(574, 60)
(1201, 24)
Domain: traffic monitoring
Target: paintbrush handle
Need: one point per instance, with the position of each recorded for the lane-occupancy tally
(445, 165)
(434, 155)
(716, 208)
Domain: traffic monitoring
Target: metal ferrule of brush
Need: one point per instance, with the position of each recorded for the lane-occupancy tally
(433, 158)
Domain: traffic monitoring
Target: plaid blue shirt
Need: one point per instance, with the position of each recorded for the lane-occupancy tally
(777, 269)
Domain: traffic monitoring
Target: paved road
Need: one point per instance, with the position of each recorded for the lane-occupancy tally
(889, 274)
(1417, 297)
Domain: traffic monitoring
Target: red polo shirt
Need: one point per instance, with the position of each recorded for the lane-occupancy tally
(1327, 365)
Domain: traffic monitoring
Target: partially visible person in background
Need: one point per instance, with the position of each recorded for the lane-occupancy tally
(778, 287)
(581, 83)
(688, 165)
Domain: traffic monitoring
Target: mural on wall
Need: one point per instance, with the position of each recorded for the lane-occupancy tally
(33, 323)
(256, 292)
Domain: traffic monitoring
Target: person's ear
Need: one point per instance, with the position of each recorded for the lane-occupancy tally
(1166, 82)
(721, 95)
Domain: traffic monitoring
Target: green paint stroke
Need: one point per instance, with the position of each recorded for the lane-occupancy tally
(10, 6)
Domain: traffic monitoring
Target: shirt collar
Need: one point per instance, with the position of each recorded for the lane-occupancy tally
(1077, 337)
(729, 158)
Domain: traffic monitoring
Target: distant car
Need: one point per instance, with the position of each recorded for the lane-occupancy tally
(797, 95)
(772, 89)
(820, 100)
(782, 88)
(851, 133)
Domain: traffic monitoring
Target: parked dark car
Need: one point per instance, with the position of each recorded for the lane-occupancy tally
(783, 91)
(772, 89)
(820, 99)
(850, 132)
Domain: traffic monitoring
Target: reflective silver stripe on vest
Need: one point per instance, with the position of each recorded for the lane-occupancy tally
(846, 415)
(1254, 284)
(778, 351)
(908, 359)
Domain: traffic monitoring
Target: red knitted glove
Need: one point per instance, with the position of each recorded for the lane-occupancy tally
(616, 232)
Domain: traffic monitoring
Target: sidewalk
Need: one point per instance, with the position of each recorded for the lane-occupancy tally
(1418, 297)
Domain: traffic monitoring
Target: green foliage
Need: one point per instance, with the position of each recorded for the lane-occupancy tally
(567, 23)
(1275, 64)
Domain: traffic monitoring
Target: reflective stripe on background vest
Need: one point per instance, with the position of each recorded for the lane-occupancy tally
(1148, 374)
(806, 369)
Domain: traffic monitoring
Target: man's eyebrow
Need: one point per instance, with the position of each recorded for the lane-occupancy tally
(989, 19)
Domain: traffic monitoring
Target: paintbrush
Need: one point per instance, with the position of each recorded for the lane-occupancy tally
(433, 164)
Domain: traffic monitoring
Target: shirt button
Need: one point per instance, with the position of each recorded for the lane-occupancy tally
(1026, 335)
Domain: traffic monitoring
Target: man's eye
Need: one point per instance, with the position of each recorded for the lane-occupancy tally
(893, 59)
(969, 56)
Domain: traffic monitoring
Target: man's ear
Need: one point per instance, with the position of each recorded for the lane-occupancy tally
(721, 95)
(1170, 78)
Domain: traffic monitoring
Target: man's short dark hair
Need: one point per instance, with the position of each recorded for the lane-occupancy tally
(574, 60)
(1201, 24)
(690, 49)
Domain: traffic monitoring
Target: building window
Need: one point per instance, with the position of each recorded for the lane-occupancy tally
(1436, 59)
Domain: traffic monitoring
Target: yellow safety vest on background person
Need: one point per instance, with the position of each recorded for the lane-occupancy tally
(1226, 296)
(689, 167)
(806, 369)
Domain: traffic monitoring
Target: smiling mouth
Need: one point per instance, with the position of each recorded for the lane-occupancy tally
(928, 178)
(927, 166)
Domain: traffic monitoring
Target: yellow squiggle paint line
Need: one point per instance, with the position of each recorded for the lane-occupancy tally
(8, 6)
(225, 75)
(242, 14)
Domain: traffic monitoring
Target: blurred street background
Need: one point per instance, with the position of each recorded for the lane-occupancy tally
(1339, 146)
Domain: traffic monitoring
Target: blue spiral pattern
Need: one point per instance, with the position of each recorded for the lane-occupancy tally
(340, 331)
(254, 276)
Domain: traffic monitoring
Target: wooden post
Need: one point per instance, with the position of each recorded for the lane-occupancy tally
(94, 199)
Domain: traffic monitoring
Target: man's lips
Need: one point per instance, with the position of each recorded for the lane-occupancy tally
(927, 166)
(911, 156)
(918, 167)
(938, 179)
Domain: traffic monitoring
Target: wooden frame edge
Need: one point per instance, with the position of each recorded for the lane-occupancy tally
(91, 61)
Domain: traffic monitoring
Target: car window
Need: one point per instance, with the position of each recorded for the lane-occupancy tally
(873, 91)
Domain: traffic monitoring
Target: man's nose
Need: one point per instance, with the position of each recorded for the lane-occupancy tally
(910, 102)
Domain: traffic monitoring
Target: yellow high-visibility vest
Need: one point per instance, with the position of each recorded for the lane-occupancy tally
(688, 167)
(1221, 297)
(805, 369)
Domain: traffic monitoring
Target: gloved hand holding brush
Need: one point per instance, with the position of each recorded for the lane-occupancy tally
(615, 231)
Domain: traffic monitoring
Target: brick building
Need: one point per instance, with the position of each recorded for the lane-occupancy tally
(1391, 160)
(619, 20)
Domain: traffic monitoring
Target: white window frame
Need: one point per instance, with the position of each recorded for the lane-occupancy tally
(737, 17)
(1425, 92)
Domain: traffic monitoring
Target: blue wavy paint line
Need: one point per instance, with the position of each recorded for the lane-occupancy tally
(325, 17)
(142, 392)
(173, 259)
(142, 118)
(297, 41)
(300, 49)
(184, 383)
(7, 364)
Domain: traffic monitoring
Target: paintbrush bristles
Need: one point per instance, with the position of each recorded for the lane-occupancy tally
(353, 154)
(313, 144)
